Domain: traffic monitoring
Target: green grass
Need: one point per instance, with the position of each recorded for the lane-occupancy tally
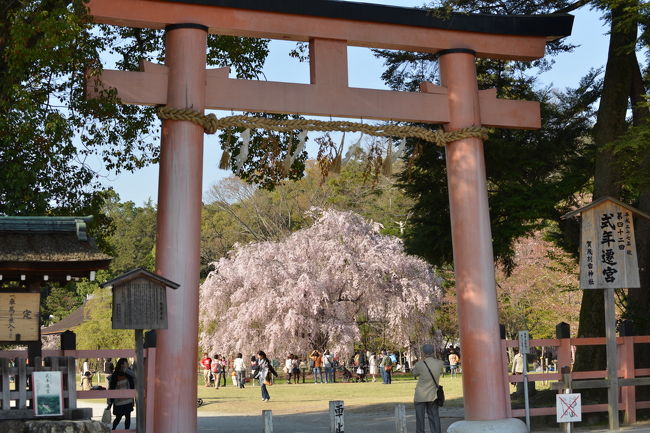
(309, 397)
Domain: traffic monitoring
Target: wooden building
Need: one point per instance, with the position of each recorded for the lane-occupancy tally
(33, 252)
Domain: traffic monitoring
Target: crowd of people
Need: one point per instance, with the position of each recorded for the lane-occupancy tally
(321, 366)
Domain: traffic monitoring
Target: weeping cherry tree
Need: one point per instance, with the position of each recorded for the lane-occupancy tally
(310, 290)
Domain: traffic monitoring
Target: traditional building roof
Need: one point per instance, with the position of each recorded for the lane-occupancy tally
(47, 248)
(72, 320)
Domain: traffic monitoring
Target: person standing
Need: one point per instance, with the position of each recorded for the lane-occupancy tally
(288, 367)
(386, 366)
(255, 368)
(122, 407)
(205, 363)
(517, 362)
(317, 359)
(264, 374)
(215, 367)
(328, 366)
(372, 359)
(295, 365)
(454, 360)
(218, 371)
(427, 371)
(240, 370)
(224, 370)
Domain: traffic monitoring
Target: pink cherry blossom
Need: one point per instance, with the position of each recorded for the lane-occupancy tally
(309, 290)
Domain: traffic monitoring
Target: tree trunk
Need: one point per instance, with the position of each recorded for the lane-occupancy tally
(610, 125)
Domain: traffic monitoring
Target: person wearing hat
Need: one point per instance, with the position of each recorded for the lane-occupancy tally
(427, 371)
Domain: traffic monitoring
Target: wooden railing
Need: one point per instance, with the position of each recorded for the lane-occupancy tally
(17, 403)
(626, 370)
(70, 378)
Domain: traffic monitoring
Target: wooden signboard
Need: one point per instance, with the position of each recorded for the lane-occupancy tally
(140, 300)
(19, 316)
(139, 304)
(608, 251)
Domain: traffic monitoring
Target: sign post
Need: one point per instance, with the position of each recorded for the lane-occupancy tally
(608, 261)
(524, 349)
(140, 302)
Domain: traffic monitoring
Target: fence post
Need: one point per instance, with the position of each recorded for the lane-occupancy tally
(400, 418)
(71, 379)
(567, 427)
(563, 333)
(506, 379)
(267, 417)
(336, 417)
(628, 393)
(4, 370)
(151, 385)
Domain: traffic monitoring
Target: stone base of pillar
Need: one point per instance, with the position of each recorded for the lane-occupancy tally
(510, 425)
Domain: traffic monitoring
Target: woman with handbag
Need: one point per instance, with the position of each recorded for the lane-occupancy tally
(264, 374)
(428, 394)
(122, 407)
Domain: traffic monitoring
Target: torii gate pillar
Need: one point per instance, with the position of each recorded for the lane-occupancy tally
(473, 255)
(179, 228)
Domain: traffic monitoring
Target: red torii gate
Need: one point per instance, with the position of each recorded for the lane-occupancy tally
(330, 27)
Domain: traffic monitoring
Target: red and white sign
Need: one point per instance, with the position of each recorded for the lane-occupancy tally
(568, 407)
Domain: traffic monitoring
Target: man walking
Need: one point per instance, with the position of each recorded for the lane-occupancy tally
(427, 371)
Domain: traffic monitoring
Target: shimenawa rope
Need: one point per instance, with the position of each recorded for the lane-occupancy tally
(211, 124)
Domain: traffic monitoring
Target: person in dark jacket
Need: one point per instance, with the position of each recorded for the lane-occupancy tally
(122, 407)
(264, 374)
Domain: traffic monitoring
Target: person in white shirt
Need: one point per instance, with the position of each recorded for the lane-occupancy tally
(240, 370)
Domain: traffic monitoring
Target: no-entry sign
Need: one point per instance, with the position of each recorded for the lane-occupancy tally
(568, 407)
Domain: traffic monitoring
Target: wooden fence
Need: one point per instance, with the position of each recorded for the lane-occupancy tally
(626, 370)
(21, 397)
(17, 403)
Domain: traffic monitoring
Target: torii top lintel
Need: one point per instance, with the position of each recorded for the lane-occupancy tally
(360, 24)
(331, 26)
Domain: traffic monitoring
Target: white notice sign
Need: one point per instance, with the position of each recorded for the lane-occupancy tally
(568, 407)
(608, 252)
(523, 342)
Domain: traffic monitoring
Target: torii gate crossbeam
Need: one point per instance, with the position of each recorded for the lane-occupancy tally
(330, 26)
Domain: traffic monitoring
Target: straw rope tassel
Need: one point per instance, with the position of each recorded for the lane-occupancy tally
(291, 157)
(243, 150)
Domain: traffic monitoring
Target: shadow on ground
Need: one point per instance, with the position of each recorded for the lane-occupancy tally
(378, 418)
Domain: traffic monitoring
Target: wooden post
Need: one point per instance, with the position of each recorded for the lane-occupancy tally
(400, 418)
(151, 386)
(140, 408)
(612, 364)
(628, 392)
(336, 417)
(72, 382)
(505, 371)
(267, 417)
(567, 427)
(4, 370)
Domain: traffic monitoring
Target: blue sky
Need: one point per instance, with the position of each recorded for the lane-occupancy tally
(589, 32)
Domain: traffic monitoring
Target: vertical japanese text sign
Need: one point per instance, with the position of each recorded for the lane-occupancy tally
(608, 257)
(19, 316)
